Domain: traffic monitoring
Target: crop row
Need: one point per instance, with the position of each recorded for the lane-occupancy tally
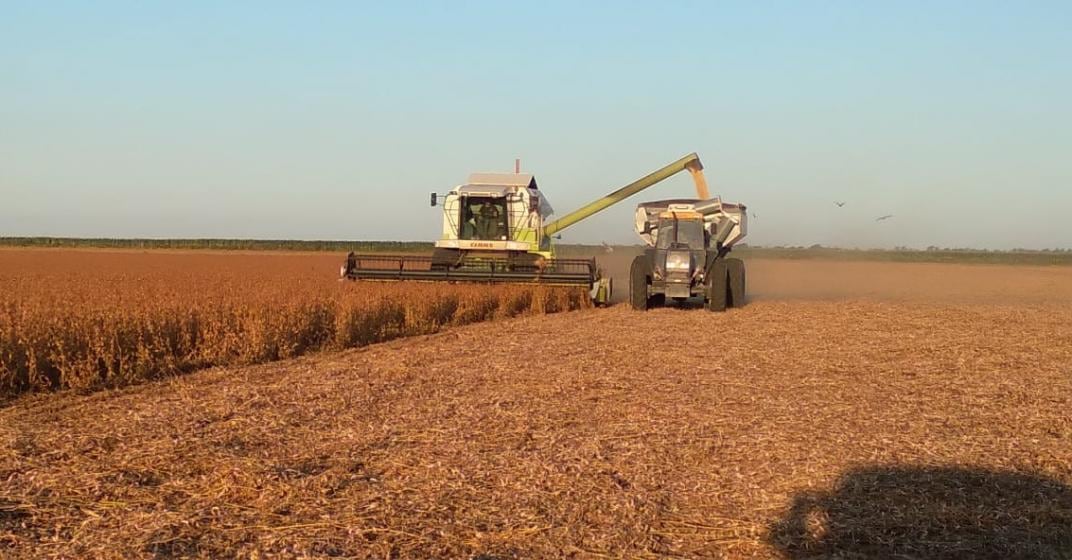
(114, 330)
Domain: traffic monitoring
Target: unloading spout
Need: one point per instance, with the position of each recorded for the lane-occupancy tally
(690, 162)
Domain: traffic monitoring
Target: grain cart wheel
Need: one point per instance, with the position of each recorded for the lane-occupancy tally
(717, 286)
(638, 283)
(736, 279)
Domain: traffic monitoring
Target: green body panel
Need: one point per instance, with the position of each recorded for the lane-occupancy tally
(526, 235)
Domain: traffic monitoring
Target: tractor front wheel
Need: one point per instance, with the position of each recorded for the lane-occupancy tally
(717, 297)
(639, 273)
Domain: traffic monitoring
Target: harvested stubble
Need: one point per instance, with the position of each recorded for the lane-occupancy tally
(785, 429)
(116, 319)
(798, 429)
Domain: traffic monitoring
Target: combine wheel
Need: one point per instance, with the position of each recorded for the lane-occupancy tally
(717, 286)
(736, 279)
(638, 283)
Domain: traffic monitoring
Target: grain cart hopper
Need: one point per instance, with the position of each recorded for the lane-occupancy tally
(497, 229)
(688, 240)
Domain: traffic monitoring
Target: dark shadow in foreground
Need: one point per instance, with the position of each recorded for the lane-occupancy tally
(929, 513)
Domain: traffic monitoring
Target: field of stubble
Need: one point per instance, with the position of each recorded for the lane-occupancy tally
(849, 411)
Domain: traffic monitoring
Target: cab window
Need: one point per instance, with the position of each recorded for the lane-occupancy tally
(484, 218)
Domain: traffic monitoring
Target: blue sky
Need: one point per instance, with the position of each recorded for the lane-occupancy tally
(334, 120)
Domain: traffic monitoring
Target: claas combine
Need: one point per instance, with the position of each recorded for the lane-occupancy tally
(498, 228)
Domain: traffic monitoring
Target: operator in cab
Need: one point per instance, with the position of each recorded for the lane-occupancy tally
(489, 222)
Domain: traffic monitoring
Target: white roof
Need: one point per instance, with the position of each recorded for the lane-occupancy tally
(485, 190)
(502, 180)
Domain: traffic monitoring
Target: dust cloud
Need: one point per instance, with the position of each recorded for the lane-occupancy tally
(826, 280)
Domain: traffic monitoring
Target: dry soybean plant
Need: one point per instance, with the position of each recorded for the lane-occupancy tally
(130, 322)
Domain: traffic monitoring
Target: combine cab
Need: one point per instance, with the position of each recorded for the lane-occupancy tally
(497, 228)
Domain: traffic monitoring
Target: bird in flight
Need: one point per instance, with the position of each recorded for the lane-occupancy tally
(839, 204)
(886, 217)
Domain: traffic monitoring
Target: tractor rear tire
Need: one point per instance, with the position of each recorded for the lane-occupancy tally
(639, 273)
(717, 297)
(735, 268)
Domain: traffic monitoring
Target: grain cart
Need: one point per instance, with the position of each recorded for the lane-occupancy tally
(688, 242)
(497, 228)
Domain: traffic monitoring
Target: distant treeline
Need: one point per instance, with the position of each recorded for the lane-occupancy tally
(904, 254)
(899, 254)
(219, 244)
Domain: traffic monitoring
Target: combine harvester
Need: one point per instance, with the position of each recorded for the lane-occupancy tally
(495, 230)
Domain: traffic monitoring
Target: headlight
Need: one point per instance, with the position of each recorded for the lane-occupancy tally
(678, 261)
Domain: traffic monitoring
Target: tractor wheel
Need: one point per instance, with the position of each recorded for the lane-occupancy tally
(717, 286)
(736, 279)
(638, 283)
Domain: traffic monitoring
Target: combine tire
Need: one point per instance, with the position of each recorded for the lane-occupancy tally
(717, 286)
(638, 283)
(735, 267)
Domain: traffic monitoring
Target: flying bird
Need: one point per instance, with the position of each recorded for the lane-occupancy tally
(839, 204)
(886, 217)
